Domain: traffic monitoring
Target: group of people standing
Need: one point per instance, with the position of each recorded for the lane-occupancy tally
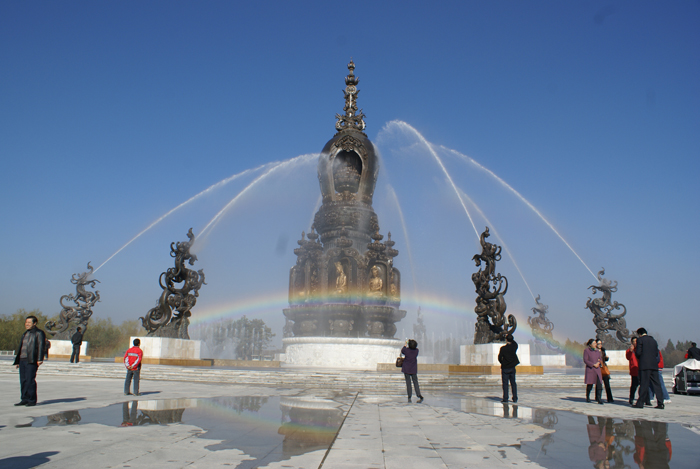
(645, 365)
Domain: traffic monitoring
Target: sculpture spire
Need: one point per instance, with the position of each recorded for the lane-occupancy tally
(352, 119)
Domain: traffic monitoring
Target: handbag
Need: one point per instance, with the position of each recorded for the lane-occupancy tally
(399, 362)
(604, 370)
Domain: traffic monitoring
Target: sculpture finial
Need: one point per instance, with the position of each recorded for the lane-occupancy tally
(353, 119)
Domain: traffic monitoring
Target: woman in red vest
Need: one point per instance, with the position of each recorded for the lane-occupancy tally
(634, 369)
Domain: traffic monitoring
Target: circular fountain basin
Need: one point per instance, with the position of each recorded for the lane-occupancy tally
(351, 353)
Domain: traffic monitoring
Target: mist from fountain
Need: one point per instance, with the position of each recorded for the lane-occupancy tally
(395, 198)
(522, 199)
(208, 190)
(316, 207)
(204, 233)
(403, 126)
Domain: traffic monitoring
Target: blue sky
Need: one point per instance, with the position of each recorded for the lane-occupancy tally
(113, 113)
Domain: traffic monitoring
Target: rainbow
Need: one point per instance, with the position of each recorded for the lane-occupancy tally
(236, 308)
(273, 303)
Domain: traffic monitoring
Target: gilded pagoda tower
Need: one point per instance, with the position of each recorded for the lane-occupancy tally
(344, 283)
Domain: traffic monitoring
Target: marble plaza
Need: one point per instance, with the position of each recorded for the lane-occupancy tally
(245, 418)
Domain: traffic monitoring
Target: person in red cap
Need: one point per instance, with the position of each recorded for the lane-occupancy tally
(132, 361)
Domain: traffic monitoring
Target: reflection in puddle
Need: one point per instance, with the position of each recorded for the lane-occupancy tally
(266, 428)
(64, 418)
(586, 441)
(613, 443)
(308, 424)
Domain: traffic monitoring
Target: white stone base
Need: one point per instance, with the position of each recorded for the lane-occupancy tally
(161, 347)
(487, 354)
(548, 360)
(340, 352)
(65, 347)
(617, 358)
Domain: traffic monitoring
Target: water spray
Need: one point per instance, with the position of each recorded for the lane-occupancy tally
(214, 221)
(405, 234)
(428, 145)
(209, 189)
(522, 199)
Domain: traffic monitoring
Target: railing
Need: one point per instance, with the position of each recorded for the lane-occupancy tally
(9, 353)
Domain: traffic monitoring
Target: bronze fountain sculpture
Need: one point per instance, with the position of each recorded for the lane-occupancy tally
(160, 321)
(491, 324)
(603, 317)
(73, 316)
(344, 283)
(542, 328)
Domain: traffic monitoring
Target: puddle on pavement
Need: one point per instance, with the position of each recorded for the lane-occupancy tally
(275, 428)
(268, 429)
(581, 441)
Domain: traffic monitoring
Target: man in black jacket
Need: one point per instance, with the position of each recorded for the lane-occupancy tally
(77, 341)
(508, 359)
(647, 353)
(28, 357)
(693, 351)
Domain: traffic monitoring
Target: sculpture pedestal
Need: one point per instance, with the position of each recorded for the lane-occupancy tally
(165, 351)
(483, 358)
(617, 361)
(349, 353)
(63, 349)
(550, 361)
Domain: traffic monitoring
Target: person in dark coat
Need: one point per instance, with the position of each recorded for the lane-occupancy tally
(647, 352)
(28, 357)
(508, 359)
(77, 341)
(592, 359)
(410, 367)
(693, 352)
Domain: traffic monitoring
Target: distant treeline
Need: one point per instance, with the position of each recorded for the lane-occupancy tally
(105, 338)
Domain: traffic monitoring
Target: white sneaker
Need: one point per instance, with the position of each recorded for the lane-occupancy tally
(667, 401)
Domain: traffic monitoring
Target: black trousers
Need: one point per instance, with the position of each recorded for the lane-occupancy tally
(598, 390)
(75, 357)
(647, 378)
(633, 387)
(414, 378)
(27, 380)
(608, 391)
(508, 376)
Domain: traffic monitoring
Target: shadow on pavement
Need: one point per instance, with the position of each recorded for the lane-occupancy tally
(26, 462)
(576, 399)
(57, 401)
